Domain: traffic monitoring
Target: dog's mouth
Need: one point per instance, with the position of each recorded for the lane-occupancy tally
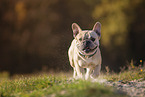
(87, 49)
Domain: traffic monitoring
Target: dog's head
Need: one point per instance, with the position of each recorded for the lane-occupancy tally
(87, 40)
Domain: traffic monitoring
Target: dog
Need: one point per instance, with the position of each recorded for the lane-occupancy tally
(84, 53)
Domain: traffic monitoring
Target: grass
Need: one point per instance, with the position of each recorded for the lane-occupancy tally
(51, 86)
(128, 75)
(62, 85)
(132, 73)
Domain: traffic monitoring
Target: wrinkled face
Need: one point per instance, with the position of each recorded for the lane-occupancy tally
(87, 41)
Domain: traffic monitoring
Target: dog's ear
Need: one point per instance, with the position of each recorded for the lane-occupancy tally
(97, 28)
(76, 29)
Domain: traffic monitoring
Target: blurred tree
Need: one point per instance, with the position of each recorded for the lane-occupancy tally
(40, 33)
(137, 33)
(116, 17)
(37, 33)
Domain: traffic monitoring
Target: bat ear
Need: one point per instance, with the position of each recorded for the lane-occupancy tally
(76, 29)
(97, 28)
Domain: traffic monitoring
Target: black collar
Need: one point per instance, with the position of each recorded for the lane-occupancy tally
(87, 56)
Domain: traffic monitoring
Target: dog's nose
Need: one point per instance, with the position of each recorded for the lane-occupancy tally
(88, 42)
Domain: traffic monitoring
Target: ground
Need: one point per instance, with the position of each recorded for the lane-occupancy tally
(123, 84)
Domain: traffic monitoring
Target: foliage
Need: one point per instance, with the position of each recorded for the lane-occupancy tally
(115, 17)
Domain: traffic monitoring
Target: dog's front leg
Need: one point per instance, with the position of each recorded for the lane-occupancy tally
(89, 70)
(79, 74)
(75, 73)
(96, 72)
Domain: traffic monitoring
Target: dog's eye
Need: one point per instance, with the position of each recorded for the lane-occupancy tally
(80, 39)
(93, 39)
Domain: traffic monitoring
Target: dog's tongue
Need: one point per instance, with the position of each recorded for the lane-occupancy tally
(87, 50)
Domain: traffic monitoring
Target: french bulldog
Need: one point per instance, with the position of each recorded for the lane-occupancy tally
(84, 53)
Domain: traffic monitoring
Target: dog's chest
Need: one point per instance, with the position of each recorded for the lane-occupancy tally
(87, 63)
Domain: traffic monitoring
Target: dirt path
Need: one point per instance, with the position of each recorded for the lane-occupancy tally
(134, 88)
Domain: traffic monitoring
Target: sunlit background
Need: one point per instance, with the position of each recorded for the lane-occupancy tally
(35, 34)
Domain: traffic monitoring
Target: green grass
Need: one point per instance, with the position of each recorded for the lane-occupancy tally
(51, 86)
(128, 75)
(61, 85)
